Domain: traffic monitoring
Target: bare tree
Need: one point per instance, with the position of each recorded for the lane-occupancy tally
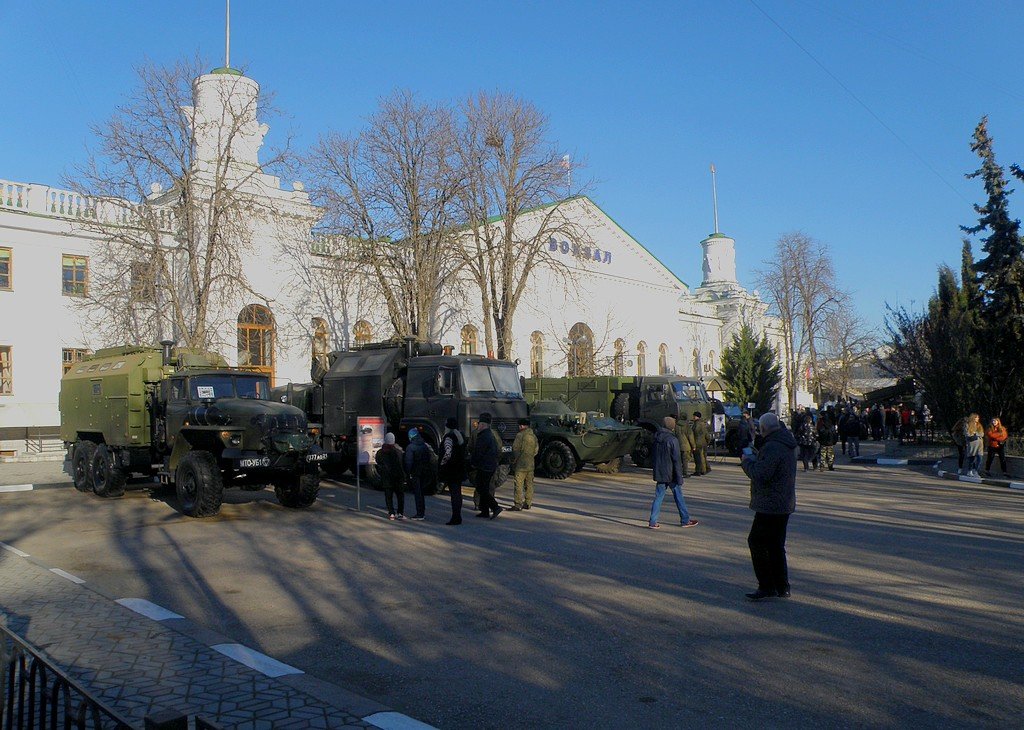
(173, 192)
(800, 286)
(847, 343)
(509, 172)
(389, 191)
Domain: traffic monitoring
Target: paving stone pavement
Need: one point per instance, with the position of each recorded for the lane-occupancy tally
(139, 666)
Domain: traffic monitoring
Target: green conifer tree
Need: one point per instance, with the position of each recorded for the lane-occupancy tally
(751, 369)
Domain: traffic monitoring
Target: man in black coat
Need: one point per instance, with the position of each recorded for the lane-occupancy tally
(772, 472)
(484, 459)
(452, 467)
(668, 474)
(419, 466)
(389, 460)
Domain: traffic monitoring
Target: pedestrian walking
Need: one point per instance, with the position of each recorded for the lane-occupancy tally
(807, 438)
(389, 460)
(852, 429)
(843, 437)
(974, 439)
(484, 459)
(524, 456)
(668, 474)
(996, 436)
(419, 468)
(684, 434)
(451, 468)
(701, 439)
(827, 437)
(772, 472)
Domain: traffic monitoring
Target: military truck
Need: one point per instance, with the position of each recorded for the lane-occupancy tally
(190, 420)
(569, 439)
(408, 384)
(642, 401)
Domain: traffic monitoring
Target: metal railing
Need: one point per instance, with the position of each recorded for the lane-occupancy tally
(35, 694)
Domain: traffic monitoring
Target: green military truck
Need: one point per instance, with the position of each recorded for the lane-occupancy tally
(641, 400)
(407, 384)
(189, 419)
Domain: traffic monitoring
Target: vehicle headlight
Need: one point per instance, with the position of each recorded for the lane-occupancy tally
(231, 438)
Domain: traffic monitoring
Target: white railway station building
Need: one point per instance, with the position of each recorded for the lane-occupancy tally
(624, 312)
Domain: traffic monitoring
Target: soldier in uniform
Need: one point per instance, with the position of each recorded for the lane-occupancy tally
(524, 453)
(701, 439)
(686, 444)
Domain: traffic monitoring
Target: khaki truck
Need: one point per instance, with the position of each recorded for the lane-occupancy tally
(188, 419)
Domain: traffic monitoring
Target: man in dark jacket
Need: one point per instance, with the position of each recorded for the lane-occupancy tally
(668, 473)
(484, 459)
(392, 476)
(451, 467)
(419, 466)
(772, 473)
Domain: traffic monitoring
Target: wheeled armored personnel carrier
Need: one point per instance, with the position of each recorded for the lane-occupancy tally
(642, 401)
(569, 439)
(407, 384)
(188, 418)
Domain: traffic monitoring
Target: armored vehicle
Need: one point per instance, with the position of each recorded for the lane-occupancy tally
(569, 439)
(643, 401)
(407, 384)
(188, 418)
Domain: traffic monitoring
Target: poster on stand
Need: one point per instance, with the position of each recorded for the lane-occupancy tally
(371, 438)
(719, 424)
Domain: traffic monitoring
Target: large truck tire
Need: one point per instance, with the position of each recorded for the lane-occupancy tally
(81, 465)
(620, 407)
(641, 454)
(199, 484)
(609, 467)
(557, 460)
(108, 478)
(297, 490)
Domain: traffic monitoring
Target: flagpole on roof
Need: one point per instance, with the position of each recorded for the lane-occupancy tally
(714, 194)
(227, 34)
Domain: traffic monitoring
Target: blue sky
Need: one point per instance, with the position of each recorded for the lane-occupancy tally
(648, 94)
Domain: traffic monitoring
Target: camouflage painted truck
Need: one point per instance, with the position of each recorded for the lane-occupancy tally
(641, 401)
(408, 385)
(189, 419)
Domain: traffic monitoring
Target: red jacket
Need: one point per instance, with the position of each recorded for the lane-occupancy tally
(996, 435)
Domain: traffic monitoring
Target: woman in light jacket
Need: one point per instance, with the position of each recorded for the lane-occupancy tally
(974, 443)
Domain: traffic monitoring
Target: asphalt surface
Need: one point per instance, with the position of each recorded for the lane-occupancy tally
(906, 606)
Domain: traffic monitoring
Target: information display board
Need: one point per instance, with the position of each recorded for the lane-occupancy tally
(371, 437)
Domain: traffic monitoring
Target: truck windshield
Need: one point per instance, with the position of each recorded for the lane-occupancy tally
(689, 391)
(203, 387)
(495, 381)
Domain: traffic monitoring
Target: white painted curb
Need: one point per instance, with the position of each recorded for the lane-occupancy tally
(17, 488)
(396, 721)
(11, 549)
(65, 574)
(255, 660)
(148, 609)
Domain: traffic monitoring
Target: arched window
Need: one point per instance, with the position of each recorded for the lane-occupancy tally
(362, 333)
(470, 341)
(256, 339)
(320, 337)
(581, 350)
(663, 359)
(710, 367)
(696, 362)
(641, 358)
(536, 355)
(619, 358)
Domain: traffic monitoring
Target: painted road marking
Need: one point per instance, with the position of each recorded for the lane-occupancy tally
(16, 488)
(65, 574)
(255, 660)
(12, 549)
(396, 721)
(891, 462)
(148, 609)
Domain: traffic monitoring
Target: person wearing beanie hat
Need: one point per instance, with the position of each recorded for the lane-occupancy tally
(524, 454)
(389, 460)
(668, 474)
(419, 466)
(451, 468)
(485, 458)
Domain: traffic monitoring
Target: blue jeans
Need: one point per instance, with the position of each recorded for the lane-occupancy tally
(659, 496)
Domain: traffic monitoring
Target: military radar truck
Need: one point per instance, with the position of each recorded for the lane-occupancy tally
(407, 384)
(188, 418)
(642, 401)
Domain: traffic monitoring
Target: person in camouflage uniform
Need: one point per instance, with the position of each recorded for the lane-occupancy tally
(701, 439)
(686, 445)
(524, 452)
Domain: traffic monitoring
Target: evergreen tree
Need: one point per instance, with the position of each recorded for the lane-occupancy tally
(751, 370)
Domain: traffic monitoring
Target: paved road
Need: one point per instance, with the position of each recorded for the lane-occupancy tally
(906, 599)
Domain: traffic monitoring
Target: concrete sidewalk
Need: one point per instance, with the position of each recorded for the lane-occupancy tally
(141, 659)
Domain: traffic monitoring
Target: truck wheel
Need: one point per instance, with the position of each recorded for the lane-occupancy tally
(199, 484)
(297, 490)
(81, 465)
(620, 407)
(557, 461)
(609, 467)
(641, 455)
(108, 479)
